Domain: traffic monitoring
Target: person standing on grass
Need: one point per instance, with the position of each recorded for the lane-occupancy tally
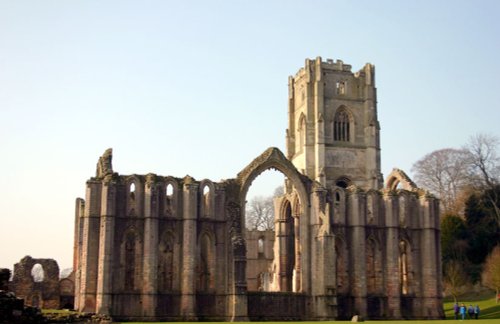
(476, 311)
(470, 310)
(456, 309)
(462, 311)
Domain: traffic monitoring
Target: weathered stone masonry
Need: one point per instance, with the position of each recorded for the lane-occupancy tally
(156, 247)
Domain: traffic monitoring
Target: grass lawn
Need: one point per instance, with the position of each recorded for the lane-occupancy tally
(485, 300)
(490, 312)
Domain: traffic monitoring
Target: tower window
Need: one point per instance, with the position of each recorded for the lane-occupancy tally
(341, 85)
(341, 126)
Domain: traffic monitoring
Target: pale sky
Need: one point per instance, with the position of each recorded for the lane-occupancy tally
(200, 88)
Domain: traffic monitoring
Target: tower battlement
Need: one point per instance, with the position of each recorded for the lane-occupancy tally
(318, 67)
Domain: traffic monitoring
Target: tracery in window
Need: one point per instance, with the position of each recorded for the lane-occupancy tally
(341, 126)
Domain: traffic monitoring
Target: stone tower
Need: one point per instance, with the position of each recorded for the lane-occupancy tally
(333, 131)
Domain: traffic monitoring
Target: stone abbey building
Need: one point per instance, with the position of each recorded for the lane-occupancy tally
(152, 247)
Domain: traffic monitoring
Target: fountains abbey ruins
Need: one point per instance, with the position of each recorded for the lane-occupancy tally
(153, 247)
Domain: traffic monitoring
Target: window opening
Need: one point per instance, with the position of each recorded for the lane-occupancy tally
(260, 247)
(341, 127)
(37, 273)
(169, 190)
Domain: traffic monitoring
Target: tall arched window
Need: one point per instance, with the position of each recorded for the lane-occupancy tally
(341, 126)
(301, 133)
(206, 264)
(130, 260)
(260, 248)
(166, 263)
(403, 267)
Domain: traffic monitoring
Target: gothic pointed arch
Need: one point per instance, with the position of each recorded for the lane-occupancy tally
(373, 255)
(343, 125)
(273, 158)
(171, 197)
(134, 190)
(168, 262)
(207, 198)
(205, 268)
(398, 178)
(405, 266)
(301, 132)
(130, 260)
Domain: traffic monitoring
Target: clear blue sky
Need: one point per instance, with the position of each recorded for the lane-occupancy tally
(200, 88)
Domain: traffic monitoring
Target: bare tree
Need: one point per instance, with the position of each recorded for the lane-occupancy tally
(260, 211)
(491, 272)
(260, 214)
(455, 278)
(445, 173)
(485, 163)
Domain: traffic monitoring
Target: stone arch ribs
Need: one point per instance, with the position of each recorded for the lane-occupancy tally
(397, 177)
(273, 158)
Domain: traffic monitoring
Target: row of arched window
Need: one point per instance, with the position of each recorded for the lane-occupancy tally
(374, 267)
(169, 263)
(168, 203)
(342, 127)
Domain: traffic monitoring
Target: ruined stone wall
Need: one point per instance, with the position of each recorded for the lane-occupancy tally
(260, 257)
(386, 252)
(159, 251)
(43, 294)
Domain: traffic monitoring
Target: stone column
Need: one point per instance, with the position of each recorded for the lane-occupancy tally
(430, 261)
(392, 275)
(356, 224)
(150, 257)
(106, 240)
(322, 260)
(238, 303)
(77, 248)
(318, 119)
(189, 239)
(90, 248)
(298, 269)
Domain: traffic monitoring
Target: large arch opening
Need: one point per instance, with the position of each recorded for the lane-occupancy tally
(285, 271)
(260, 220)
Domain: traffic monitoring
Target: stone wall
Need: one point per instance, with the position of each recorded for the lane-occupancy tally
(49, 292)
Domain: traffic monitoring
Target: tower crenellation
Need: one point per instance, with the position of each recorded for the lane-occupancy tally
(333, 130)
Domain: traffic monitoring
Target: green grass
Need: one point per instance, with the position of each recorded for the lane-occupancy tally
(490, 312)
(485, 300)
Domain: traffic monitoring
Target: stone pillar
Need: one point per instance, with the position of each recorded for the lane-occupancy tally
(238, 303)
(356, 224)
(319, 124)
(322, 288)
(298, 269)
(189, 239)
(430, 260)
(150, 257)
(77, 248)
(106, 248)
(392, 276)
(90, 248)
